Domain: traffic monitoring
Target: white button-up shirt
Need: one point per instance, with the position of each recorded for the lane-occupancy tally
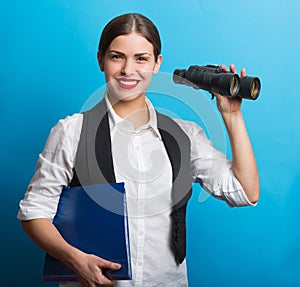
(140, 160)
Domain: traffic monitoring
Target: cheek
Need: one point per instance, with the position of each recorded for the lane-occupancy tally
(111, 68)
(147, 71)
(147, 74)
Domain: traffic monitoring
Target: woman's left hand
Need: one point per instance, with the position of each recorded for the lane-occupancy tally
(229, 105)
(243, 161)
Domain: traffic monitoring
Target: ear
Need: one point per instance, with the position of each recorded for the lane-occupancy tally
(157, 64)
(100, 61)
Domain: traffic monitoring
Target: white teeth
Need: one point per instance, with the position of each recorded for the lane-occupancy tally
(128, 83)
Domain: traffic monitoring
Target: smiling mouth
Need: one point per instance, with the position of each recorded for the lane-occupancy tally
(127, 83)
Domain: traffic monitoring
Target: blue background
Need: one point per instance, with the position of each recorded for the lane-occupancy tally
(48, 69)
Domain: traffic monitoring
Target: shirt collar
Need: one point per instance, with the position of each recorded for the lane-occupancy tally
(115, 120)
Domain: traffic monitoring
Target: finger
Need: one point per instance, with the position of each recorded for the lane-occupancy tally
(108, 264)
(223, 67)
(232, 68)
(103, 281)
(243, 72)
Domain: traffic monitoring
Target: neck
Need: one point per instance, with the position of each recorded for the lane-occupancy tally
(135, 111)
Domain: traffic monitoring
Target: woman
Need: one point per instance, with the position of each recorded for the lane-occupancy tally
(129, 54)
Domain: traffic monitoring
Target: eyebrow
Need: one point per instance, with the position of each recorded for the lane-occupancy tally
(123, 54)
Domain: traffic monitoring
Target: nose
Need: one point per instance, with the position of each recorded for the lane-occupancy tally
(128, 67)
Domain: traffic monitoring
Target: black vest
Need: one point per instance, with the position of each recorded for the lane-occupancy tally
(94, 164)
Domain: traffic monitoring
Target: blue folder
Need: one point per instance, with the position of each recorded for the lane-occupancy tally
(93, 218)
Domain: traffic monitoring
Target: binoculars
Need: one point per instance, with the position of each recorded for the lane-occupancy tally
(215, 80)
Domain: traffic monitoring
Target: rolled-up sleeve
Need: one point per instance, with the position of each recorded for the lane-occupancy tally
(54, 170)
(212, 169)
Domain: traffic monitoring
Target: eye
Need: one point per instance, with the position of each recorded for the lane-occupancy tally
(116, 57)
(142, 59)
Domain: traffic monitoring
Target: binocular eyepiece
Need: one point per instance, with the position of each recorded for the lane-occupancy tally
(215, 80)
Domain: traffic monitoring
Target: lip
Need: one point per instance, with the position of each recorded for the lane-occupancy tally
(127, 83)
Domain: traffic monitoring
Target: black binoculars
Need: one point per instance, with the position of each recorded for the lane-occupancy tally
(215, 80)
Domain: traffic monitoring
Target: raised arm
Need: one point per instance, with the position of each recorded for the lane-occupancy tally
(243, 160)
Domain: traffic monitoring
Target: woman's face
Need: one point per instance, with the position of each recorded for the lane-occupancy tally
(129, 64)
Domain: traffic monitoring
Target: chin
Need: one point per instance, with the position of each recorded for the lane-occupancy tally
(126, 96)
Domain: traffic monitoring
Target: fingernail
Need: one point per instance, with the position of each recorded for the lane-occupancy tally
(117, 265)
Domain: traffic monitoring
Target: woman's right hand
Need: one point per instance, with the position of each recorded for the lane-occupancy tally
(88, 268)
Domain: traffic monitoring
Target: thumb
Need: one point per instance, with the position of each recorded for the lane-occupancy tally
(108, 264)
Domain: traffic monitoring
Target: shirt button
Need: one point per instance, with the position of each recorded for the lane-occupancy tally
(140, 263)
(141, 233)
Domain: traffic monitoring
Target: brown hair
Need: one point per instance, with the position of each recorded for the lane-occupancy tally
(127, 23)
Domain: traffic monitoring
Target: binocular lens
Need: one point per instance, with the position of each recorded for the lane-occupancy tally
(250, 87)
(255, 87)
(234, 86)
